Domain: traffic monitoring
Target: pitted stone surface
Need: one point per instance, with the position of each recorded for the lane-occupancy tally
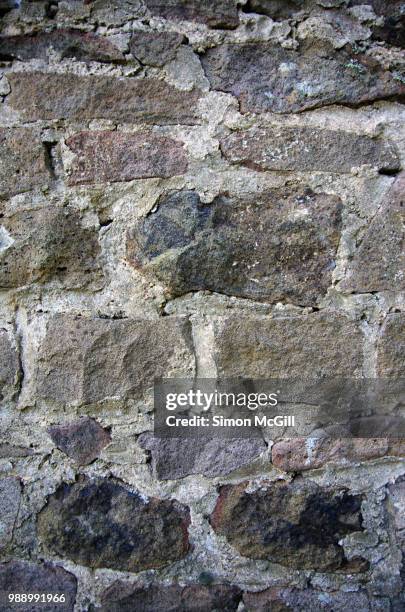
(10, 497)
(85, 360)
(218, 14)
(117, 156)
(43, 96)
(391, 347)
(102, 524)
(280, 245)
(297, 524)
(155, 48)
(268, 78)
(9, 365)
(81, 440)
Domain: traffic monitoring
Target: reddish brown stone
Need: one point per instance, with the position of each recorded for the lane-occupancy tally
(119, 156)
(391, 347)
(68, 96)
(218, 14)
(81, 440)
(155, 48)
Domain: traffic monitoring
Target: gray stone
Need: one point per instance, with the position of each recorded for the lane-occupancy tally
(313, 346)
(49, 243)
(306, 149)
(191, 246)
(23, 163)
(268, 78)
(378, 264)
(119, 156)
(10, 497)
(155, 48)
(83, 360)
(391, 347)
(68, 96)
(276, 9)
(179, 457)
(25, 577)
(285, 599)
(218, 14)
(396, 500)
(102, 524)
(9, 366)
(81, 440)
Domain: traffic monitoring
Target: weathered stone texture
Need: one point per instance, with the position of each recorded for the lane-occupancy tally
(378, 263)
(81, 440)
(391, 347)
(83, 46)
(102, 524)
(118, 156)
(218, 14)
(284, 600)
(23, 162)
(49, 243)
(298, 525)
(44, 96)
(26, 577)
(10, 496)
(179, 457)
(155, 48)
(194, 598)
(276, 9)
(9, 365)
(84, 360)
(265, 77)
(318, 345)
(280, 245)
(306, 149)
(396, 500)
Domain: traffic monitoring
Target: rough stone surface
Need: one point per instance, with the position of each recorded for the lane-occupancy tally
(374, 267)
(10, 497)
(276, 9)
(25, 577)
(295, 524)
(193, 598)
(265, 77)
(266, 348)
(117, 156)
(305, 149)
(23, 162)
(155, 48)
(43, 96)
(179, 457)
(9, 365)
(192, 246)
(49, 243)
(397, 504)
(82, 440)
(102, 524)
(85, 360)
(83, 46)
(219, 14)
(391, 348)
(282, 600)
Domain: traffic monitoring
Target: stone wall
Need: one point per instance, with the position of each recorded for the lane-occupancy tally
(197, 188)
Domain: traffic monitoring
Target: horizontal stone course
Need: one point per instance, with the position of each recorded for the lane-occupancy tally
(218, 14)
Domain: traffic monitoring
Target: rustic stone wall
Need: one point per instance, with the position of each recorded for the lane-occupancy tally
(197, 188)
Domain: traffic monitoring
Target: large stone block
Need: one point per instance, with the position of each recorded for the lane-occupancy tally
(83, 46)
(378, 263)
(23, 162)
(318, 345)
(298, 525)
(68, 96)
(119, 156)
(49, 243)
(265, 77)
(155, 48)
(9, 366)
(83, 360)
(306, 149)
(391, 347)
(10, 497)
(25, 577)
(81, 440)
(276, 246)
(218, 14)
(102, 524)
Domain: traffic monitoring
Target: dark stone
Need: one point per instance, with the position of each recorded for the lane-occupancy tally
(297, 525)
(265, 77)
(49, 243)
(179, 457)
(83, 360)
(25, 577)
(9, 366)
(155, 48)
(119, 156)
(219, 14)
(393, 30)
(306, 149)
(10, 497)
(378, 263)
(391, 347)
(68, 96)
(194, 598)
(102, 524)
(23, 161)
(83, 46)
(288, 599)
(276, 9)
(81, 440)
(192, 246)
